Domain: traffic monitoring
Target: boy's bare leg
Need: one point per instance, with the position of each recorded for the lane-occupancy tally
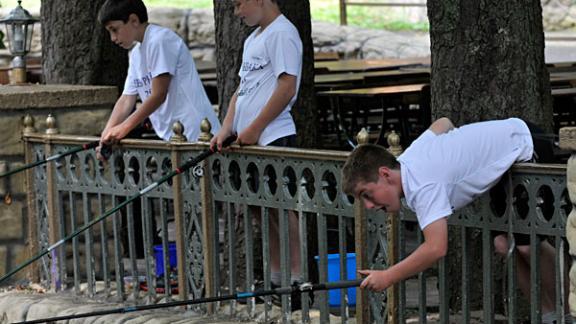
(547, 270)
(294, 243)
(547, 273)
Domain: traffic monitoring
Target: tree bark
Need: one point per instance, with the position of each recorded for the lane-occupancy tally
(487, 63)
(230, 36)
(76, 49)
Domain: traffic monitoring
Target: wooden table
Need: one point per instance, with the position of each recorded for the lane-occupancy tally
(564, 101)
(404, 108)
(562, 79)
(368, 65)
(337, 81)
(205, 66)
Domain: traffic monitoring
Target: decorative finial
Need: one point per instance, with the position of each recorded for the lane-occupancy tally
(178, 130)
(363, 136)
(394, 146)
(205, 128)
(51, 128)
(28, 123)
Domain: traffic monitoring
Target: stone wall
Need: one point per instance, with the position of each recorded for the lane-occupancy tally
(81, 110)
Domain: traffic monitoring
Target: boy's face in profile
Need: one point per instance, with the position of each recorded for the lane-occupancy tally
(250, 11)
(122, 33)
(382, 194)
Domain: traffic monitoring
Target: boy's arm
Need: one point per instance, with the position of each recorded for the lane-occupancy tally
(434, 248)
(121, 110)
(160, 86)
(280, 98)
(226, 129)
(441, 126)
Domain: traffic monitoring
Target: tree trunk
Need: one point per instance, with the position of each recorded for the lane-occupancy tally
(487, 63)
(76, 49)
(230, 36)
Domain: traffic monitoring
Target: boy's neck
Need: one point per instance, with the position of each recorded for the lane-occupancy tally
(141, 32)
(269, 18)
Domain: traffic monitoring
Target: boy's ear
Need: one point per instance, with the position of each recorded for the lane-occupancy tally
(383, 171)
(133, 18)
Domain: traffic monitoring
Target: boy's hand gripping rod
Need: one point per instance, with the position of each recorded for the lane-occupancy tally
(83, 147)
(302, 288)
(190, 163)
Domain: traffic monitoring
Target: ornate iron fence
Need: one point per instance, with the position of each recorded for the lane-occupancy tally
(213, 213)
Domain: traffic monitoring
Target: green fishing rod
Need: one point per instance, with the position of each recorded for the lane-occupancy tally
(83, 147)
(190, 163)
(301, 288)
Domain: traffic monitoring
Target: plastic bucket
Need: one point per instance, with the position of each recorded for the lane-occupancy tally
(160, 259)
(334, 275)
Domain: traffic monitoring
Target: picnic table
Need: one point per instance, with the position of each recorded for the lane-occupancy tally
(342, 66)
(564, 108)
(205, 66)
(404, 108)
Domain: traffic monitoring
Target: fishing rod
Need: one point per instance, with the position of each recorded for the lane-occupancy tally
(83, 147)
(301, 288)
(190, 163)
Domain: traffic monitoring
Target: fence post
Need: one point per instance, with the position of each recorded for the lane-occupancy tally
(32, 212)
(52, 201)
(361, 242)
(568, 142)
(176, 139)
(395, 149)
(343, 14)
(209, 238)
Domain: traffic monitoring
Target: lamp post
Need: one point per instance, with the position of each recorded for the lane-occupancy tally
(19, 27)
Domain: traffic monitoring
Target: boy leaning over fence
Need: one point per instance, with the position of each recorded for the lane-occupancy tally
(445, 169)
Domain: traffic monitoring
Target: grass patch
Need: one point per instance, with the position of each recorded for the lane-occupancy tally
(390, 18)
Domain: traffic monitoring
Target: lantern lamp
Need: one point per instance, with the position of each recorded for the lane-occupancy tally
(19, 28)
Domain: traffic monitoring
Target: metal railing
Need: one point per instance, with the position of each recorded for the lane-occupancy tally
(218, 208)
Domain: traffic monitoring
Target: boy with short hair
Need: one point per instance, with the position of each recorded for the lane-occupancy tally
(443, 170)
(259, 110)
(161, 71)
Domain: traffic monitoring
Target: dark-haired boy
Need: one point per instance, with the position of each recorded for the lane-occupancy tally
(161, 71)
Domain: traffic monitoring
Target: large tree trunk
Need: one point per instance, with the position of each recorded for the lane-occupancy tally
(76, 49)
(487, 63)
(230, 36)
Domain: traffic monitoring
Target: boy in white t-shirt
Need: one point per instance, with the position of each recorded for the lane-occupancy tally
(444, 169)
(161, 71)
(259, 110)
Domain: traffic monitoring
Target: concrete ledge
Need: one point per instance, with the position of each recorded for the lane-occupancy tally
(568, 138)
(55, 95)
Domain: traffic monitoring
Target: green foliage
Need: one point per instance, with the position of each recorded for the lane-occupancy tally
(328, 10)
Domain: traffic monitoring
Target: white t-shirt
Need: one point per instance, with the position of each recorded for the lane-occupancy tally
(267, 54)
(163, 51)
(442, 173)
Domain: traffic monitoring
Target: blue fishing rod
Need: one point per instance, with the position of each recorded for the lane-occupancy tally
(301, 288)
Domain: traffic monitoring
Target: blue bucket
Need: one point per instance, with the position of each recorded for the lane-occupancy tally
(160, 259)
(334, 275)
